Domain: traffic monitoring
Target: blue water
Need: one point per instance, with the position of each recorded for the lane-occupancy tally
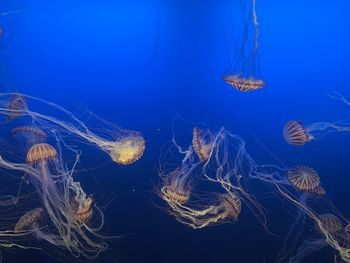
(140, 64)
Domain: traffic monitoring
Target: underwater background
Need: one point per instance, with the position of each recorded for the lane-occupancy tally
(140, 64)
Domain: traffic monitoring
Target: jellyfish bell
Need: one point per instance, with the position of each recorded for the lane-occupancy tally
(127, 149)
(15, 105)
(243, 84)
(295, 133)
(330, 223)
(84, 211)
(40, 153)
(30, 220)
(29, 133)
(202, 143)
(303, 178)
(232, 205)
(318, 191)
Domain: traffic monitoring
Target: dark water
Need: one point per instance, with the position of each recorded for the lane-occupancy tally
(140, 64)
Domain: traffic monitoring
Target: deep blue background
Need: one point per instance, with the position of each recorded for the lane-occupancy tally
(141, 63)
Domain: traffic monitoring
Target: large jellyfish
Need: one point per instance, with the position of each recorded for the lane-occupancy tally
(123, 146)
(243, 73)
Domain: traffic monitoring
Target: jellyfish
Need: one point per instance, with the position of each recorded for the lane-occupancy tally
(243, 84)
(331, 223)
(123, 146)
(15, 106)
(84, 210)
(30, 220)
(243, 73)
(30, 134)
(295, 133)
(303, 178)
(202, 143)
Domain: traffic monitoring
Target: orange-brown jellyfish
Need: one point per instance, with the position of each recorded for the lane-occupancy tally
(40, 153)
(202, 143)
(295, 133)
(243, 84)
(84, 210)
(245, 65)
(303, 178)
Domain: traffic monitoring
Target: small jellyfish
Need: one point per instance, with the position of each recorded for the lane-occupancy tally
(30, 133)
(40, 153)
(303, 178)
(232, 205)
(15, 106)
(330, 223)
(295, 133)
(30, 220)
(243, 84)
(202, 143)
(84, 210)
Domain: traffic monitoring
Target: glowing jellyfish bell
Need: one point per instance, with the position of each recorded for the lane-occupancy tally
(202, 143)
(295, 133)
(303, 178)
(40, 153)
(127, 149)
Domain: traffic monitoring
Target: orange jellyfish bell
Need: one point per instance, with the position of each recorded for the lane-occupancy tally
(84, 211)
(243, 84)
(41, 152)
(295, 133)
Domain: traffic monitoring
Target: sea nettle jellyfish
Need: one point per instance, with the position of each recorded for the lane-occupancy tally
(298, 134)
(202, 142)
(303, 178)
(242, 73)
(30, 134)
(123, 146)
